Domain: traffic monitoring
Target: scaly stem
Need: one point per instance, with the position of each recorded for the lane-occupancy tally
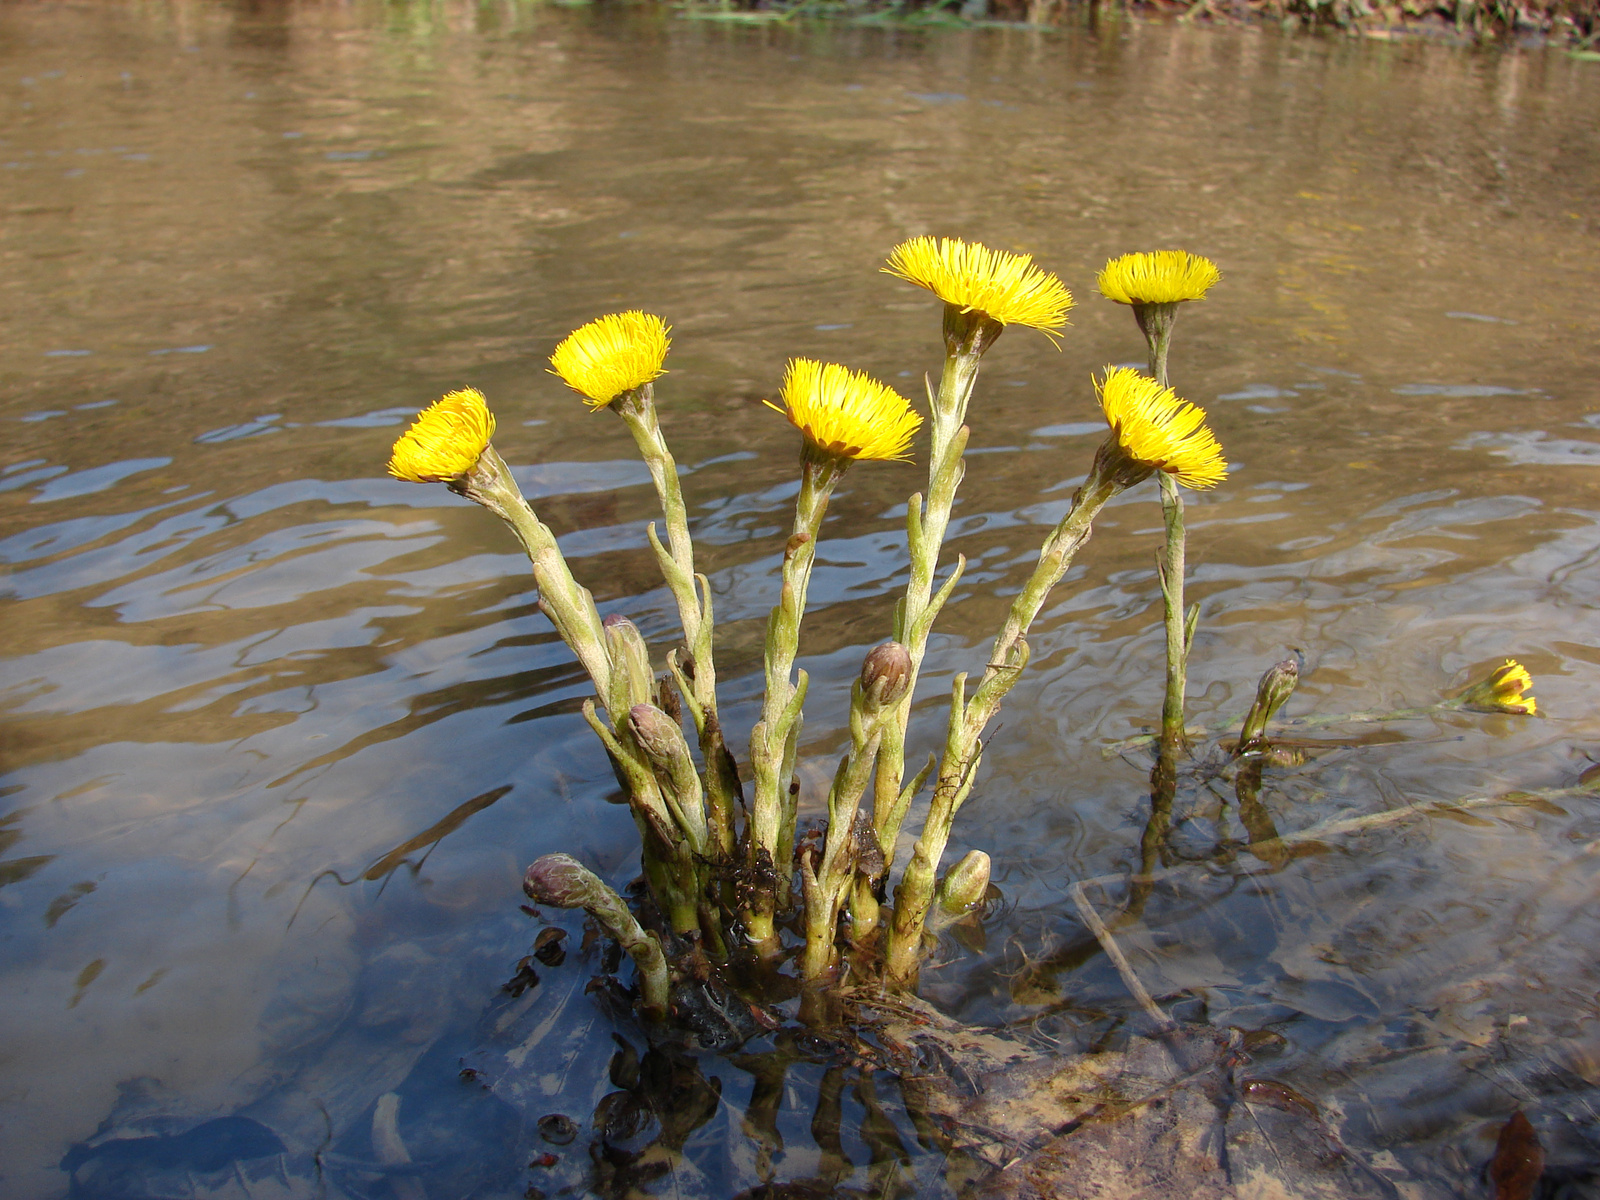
(1170, 569)
(637, 410)
(773, 740)
(669, 861)
(562, 881)
(668, 864)
(1156, 321)
(827, 881)
(967, 335)
(968, 718)
(562, 598)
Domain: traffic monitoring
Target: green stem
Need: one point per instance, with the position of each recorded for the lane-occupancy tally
(566, 602)
(773, 739)
(1171, 569)
(669, 860)
(638, 411)
(562, 881)
(967, 336)
(968, 719)
(833, 874)
(1156, 322)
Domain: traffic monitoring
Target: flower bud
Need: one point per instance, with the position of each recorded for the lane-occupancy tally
(658, 735)
(1274, 690)
(561, 881)
(630, 661)
(1502, 691)
(886, 673)
(965, 884)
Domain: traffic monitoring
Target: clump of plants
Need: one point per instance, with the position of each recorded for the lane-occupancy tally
(729, 883)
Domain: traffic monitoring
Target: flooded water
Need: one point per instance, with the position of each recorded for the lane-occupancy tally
(281, 733)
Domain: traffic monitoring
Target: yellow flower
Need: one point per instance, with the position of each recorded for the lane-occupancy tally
(1154, 427)
(845, 412)
(1164, 277)
(445, 441)
(612, 355)
(1006, 287)
(1502, 691)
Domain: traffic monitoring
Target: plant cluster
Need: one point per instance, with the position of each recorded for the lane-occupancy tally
(721, 858)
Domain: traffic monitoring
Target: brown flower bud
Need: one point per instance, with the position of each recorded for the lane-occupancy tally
(561, 881)
(886, 673)
(658, 735)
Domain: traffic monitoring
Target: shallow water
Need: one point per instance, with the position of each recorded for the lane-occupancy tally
(244, 243)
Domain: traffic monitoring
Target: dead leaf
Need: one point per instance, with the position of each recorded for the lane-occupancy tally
(1518, 1160)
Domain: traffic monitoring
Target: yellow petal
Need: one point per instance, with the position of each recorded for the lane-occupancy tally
(1162, 277)
(612, 355)
(1006, 287)
(446, 440)
(1154, 427)
(1511, 682)
(846, 412)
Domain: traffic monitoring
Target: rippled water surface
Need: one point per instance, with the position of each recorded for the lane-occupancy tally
(281, 733)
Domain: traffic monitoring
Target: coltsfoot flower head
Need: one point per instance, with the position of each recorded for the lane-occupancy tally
(845, 413)
(1156, 429)
(1162, 277)
(1007, 288)
(445, 441)
(612, 355)
(1502, 690)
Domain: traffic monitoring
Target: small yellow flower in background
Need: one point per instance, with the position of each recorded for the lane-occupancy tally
(1006, 287)
(612, 355)
(445, 441)
(847, 413)
(1164, 277)
(1503, 691)
(1154, 427)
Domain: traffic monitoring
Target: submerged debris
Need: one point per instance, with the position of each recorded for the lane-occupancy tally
(1163, 1116)
(1518, 1160)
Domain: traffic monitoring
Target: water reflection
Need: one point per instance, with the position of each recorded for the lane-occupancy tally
(246, 241)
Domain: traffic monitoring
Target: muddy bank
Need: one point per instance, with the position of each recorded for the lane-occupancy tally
(1571, 24)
